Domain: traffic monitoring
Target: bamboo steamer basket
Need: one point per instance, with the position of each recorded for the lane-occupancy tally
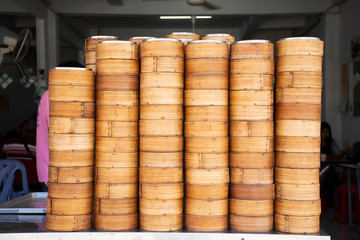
(252, 160)
(161, 223)
(121, 222)
(206, 97)
(117, 82)
(207, 176)
(124, 113)
(161, 80)
(162, 65)
(219, 36)
(252, 192)
(206, 113)
(139, 39)
(252, 128)
(300, 192)
(298, 95)
(251, 224)
(161, 127)
(206, 160)
(207, 191)
(298, 208)
(66, 158)
(71, 93)
(207, 66)
(165, 191)
(161, 159)
(206, 129)
(297, 128)
(70, 190)
(297, 224)
(252, 144)
(116, 190)
(207, 144)
(90, 43)
(252, 66)
(209, 82)
(68, 223)
(71, 125)
(116, 175)
(251, 113)
(161, 206)
(298, 111)
(252, 175)
(206, 207)
(116, 129)
(71, 174)
(115, 66)
(296, 176)
(298, 160)
(71, 142)
(91, 67)
(164, 47)
(72, 109)
(302, 63)
(251, 81)
(119, 144)
(292, 144)
(183, 35)
(115, 49)
(251, 97)
(161, 96)
(116, 159)
(161, 144)
(71, 76)
(69, 206)
(299, 80)
(160, 175)
(117, 98)
(115, 206)
(206, 223)
(300, 46)
(90, 57)
(251, 207)
(252, 49)
(157, 112)
(206, 49)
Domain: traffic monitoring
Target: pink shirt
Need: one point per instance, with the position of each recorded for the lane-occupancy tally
(42, 139)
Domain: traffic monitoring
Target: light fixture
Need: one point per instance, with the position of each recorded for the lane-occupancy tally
(184, 17)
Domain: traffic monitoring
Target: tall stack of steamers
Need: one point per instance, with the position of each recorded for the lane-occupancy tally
(172, 115)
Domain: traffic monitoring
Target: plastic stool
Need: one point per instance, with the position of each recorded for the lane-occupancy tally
(341, 204)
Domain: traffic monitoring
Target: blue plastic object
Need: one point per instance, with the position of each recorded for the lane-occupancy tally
(8, 167)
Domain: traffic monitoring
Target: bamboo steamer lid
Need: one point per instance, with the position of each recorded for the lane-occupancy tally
(71, 93)
(252, 160)
(120, 222)
(117, 82)
(252, 144)
(206, 129)
(160, 206)
(68, 223)
(59, 125)
(116, 129)
(116, 159)
(117, 98)
(206, 223)
(207, 191)
(71, 174)
(70, 190)
(66, 158)
(116, 190)
(299, 80)
(119, 144)
(161, 223)
(297, 128)
(207, 144)
(252, 192)
(91, 67)
(183, 35)
(252, 66)
(251, 97)
(251, 113)
(300, 46)
(297, 224)
(161, 144)
(206, 160)
(206, 113)
(71, 76)
(72, 109)
(298, 160)
(298, 208)
(292, 144)
(69, 206)
(162, 65)
(90, 57)
(298, 111)
(160, 175)
(251, 224)
(206, 49)
(304, 63)
(296, 176)
(252, 175)
(161, 80)
(116, 175)
(300, 192)
(115, 66)
(207, 176)
(117, 113)
(210, 82)
(115, 49)
(161, 159)
(251, 207)
(206, 97)
(90, 42)
(155, 47)
(161, 127)
(251, 81)
(163, 191)
(298, 95)
(252, 128)
(166, 112)
(161, 96)
(114, 206)
(139, 39)
(219, 36)
(207, 66)
(206, 207)
(252, 49)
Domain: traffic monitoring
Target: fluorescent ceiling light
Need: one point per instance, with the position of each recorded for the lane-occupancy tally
(184, 17)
